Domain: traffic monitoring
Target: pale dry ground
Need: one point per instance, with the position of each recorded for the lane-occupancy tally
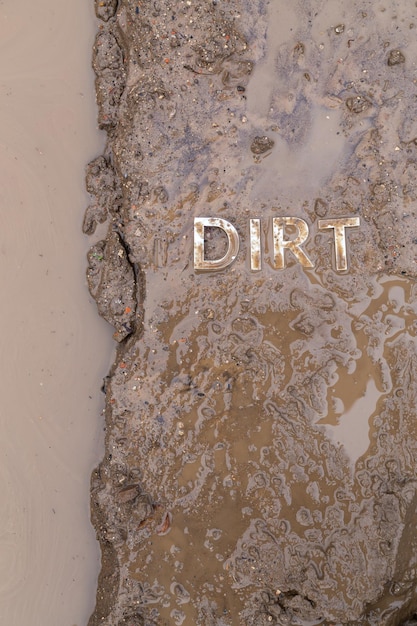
(54, 349)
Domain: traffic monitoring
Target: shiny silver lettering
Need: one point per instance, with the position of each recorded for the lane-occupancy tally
(339, 225)
(200, 262)
(293, 245)
(255, 245)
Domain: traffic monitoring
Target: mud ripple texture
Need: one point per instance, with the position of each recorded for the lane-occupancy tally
(228, 494)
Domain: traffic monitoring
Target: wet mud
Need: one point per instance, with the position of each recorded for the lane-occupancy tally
(261, 444)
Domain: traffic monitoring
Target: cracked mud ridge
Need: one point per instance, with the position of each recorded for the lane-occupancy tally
(261, 441)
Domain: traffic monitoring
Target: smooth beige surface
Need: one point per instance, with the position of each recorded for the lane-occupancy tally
(54, 348)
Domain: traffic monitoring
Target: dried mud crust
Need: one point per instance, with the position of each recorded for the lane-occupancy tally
(225, 496)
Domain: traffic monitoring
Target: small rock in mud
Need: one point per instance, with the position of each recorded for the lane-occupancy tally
(395, 57)
(262, 144)
(358, 104)
(320, 207)
(299, 49)
(105, 9)
(128, 493)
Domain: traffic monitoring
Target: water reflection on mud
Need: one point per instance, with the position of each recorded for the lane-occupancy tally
(357, 394)
(231, 412)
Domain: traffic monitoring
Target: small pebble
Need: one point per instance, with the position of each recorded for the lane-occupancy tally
(261, 144)
(395, 57)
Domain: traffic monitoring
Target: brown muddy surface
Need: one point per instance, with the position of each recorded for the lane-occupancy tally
(260, 419)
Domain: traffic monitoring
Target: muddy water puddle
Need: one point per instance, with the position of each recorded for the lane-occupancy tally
(54, 351)
(225, 440)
